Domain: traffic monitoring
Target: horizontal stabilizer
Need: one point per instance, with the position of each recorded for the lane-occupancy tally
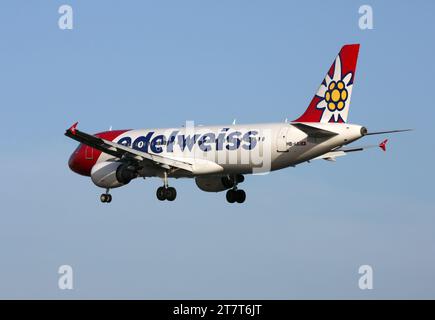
(330, 156)
(313, 131)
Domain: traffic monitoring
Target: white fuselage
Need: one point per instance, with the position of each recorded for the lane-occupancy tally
(236, 149)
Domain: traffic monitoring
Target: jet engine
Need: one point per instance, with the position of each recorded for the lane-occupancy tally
(112, 174)
(218, 183)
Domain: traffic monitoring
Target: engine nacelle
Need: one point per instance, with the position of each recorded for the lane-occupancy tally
(111, 174)
(217, 184)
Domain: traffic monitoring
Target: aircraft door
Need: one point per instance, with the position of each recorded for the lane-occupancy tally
(281, 143)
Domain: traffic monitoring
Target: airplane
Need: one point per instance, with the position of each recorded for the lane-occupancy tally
(218, 157)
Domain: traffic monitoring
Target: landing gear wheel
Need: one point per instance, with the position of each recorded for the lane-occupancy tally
(171, 194)
(238, 196)
(103, 197)
(106, 198)
(241, 196)
(231, 196)
(166, 192)
(161, 193)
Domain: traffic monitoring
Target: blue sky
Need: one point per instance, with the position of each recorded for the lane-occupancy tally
(303, 231)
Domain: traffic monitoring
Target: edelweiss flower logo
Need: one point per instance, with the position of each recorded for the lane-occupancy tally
(335, 94)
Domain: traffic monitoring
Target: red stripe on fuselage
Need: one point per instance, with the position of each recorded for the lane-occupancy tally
(84, 157)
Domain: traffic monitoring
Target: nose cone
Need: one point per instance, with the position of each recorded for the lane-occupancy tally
(78, 162)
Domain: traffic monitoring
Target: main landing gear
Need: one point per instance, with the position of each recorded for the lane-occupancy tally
(166, 192)
(106, 197)
(234, 194)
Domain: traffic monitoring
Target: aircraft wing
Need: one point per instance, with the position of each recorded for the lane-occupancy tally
(123, 152)
(332, 155)
(386, 132)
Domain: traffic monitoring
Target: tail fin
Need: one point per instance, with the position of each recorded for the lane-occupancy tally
(332, 100)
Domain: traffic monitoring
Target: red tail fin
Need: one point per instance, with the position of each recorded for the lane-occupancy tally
(332, 100)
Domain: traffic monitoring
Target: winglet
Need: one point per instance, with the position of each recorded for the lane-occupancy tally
(383, 145)
(72, 129)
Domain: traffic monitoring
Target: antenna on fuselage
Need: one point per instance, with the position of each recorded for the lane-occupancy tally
(234, 122)
(286, 120)
(110, 129)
